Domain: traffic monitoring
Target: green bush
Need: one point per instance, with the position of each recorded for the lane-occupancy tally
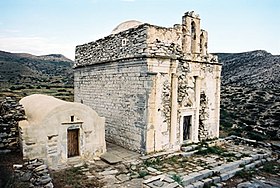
(143, 173)
(211, 150)
(177, 178)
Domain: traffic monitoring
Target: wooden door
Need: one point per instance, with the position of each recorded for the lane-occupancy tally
(73, 142)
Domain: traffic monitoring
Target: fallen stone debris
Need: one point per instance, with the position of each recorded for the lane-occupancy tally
(207, 164)
(35, 172)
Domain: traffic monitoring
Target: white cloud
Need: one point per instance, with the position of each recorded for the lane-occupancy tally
(36, 46)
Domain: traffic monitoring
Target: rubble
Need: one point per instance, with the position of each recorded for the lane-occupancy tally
(35, 172)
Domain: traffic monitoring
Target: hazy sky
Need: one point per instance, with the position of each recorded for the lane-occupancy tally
(56, 26)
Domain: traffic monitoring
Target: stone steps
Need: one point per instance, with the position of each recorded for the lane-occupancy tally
(207, 177)
(225, 172)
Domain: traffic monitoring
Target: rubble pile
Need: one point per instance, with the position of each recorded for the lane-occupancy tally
(35, 172)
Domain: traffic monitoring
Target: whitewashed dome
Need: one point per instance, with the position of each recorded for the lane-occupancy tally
(125, 26)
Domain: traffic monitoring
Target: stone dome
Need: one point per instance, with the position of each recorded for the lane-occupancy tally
(125, 26)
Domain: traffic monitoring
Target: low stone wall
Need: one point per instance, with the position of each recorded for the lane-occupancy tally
(10, 113)
(34, 172)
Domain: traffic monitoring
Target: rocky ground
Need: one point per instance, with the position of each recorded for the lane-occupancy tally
(251, 112)
(250, 95)
(235, 162)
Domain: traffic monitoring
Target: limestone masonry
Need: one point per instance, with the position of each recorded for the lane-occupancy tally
(156, 87)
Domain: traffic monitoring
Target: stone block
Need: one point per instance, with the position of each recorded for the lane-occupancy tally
(207, 181)
(154, 178)
(189, 186)
(224, 176)
(186, 148)
(198, 184)
(205, 173)
(168, 179)
(216, 179)
(188, 180)
(172, 185)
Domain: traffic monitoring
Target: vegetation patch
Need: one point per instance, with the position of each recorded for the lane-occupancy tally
(271, 167)
(177, 178)
(246, 174)
(211, 150)
(74, 178)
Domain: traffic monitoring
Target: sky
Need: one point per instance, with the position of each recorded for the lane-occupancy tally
(43, 27)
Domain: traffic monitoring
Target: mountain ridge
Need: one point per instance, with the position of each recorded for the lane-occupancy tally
(250, 94)
(255, 69)
(22, 74)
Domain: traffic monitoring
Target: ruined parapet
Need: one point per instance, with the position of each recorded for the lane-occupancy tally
(133, 39)
(11, 112)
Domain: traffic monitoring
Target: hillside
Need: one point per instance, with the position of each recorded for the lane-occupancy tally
(250, 96)
(22, 74)
(256, 69)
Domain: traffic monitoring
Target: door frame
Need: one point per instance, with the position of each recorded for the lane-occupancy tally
(186, 112)
(77, 148)
(189, 127)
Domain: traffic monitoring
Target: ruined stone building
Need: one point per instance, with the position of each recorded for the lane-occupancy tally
(157, 87)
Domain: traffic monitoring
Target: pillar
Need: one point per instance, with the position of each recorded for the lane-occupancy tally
(197, 106)
(174, 109)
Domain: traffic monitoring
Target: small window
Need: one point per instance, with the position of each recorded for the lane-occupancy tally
(124, 42)
(72, 118)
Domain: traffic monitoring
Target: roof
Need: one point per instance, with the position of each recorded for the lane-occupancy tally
(38, 106)
(125, 26)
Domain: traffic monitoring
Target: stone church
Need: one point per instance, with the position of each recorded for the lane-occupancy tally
(157, 87)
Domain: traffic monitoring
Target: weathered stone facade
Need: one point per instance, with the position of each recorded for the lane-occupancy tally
(149, 82)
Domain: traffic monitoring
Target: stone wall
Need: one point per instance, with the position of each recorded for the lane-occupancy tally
(210, 101)
(119, 91)
(126, 44)
(143, 41)
(10, 113)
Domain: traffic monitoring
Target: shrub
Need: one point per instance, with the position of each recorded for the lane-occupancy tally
(177, 178)
(246, 174)
(143, 173)
(271, 167)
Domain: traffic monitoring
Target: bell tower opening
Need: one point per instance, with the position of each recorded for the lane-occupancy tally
(193, 37)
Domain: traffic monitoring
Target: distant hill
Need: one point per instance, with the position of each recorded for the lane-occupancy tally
(256, 69)
(19, 71)
(250, 96)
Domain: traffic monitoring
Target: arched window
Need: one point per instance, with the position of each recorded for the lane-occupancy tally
(193, 30)
(201, 43)
(193, 35)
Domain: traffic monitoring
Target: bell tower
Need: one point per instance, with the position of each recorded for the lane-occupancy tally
(191, 33)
